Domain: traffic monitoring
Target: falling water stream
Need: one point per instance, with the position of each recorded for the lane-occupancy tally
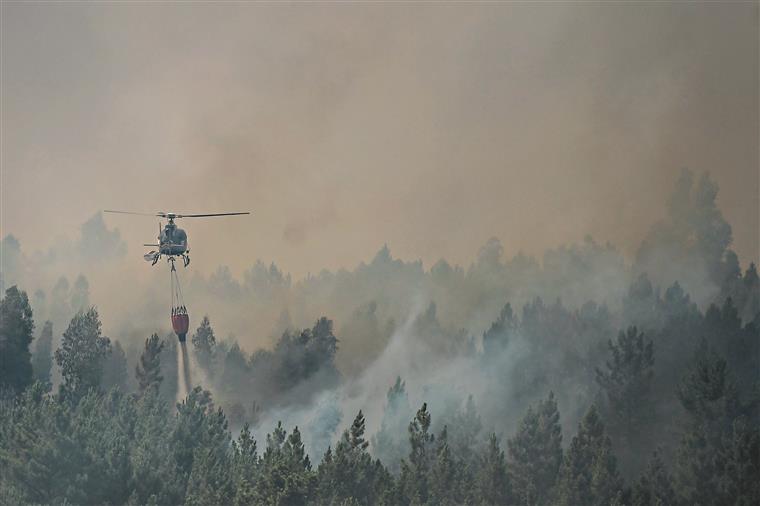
(183, 372)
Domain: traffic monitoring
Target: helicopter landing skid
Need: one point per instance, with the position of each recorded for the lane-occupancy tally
(152, 257)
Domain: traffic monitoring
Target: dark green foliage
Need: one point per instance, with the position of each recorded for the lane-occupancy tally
(564, 342)
(235, 369)
(244, 467)
(209, 481)
(301, 364)
(444, 474)
(42, 358)
(16, 326)
(115, 369)
(204, 344)
(169, 367)
(626, 384)
(535, 454)
(739, 345)
(285, 470)
(741, 455)
(492, 481)
(589, 472)
(154, 469)
(78, 453)
(306, 353)
(112, 448)
(627, 378)
(349, 473)
(719, 448)
(415, 471)
(655, 487)
(81, 354)
(40, 456)
(148, 370)
(198, 425)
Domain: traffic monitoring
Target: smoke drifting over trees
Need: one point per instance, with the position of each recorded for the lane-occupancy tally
(549, 310)
(574, 379)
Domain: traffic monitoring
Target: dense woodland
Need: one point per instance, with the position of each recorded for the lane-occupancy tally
(630, 385)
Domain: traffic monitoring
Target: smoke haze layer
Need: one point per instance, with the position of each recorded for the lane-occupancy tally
(429, 127)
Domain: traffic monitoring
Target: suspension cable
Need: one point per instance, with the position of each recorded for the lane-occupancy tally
(177, 299)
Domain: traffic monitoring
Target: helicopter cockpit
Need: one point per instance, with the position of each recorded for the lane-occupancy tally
(173, 240)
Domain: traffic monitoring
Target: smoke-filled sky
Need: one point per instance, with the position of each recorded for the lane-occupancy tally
(345, 126)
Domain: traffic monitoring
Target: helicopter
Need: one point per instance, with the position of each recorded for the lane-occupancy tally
(172, 240)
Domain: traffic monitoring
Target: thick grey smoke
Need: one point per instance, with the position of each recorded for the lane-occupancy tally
(431, 127)
(495, 148)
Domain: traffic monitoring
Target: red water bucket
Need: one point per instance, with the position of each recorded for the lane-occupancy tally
(180, 324)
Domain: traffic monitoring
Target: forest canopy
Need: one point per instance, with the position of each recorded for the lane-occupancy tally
(577, 379)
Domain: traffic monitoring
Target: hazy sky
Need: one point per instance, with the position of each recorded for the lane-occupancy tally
(342, 127)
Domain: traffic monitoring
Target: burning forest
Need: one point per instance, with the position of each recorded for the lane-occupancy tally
(493, 281)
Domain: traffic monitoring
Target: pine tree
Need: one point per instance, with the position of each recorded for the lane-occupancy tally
(589, 472)
(348, 472)
(298, 488)
(414, 480)
(389, 443)
(169, 359)
(101, 424)
(115, 369)
(204, 344)
(751, 289)
(740, 346)
(713, 458)
(16, 326)
(286, 476)
(626, 384)
(492, 482)
(39, 458)
(81, 354)
(655, 487)
(244, 467)
(154, 469)
(148, 370)
(444, 486)
(741, 455)
(535, 454)
(42, 358)
(235, 372)
(210, 481)
(201, 443)
(464, 434)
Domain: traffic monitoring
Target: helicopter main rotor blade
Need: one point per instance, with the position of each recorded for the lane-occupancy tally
(209, 215)
(130, 212)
